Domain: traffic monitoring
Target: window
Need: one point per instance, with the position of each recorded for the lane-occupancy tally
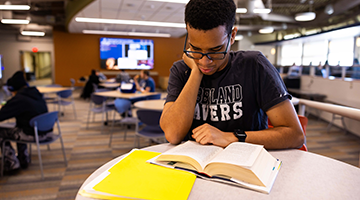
(341, 51)
(290, 54)
(315, 53)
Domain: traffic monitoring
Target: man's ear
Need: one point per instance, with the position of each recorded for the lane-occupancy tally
(233, 34)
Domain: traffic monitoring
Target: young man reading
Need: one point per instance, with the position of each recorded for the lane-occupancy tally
(218, 97)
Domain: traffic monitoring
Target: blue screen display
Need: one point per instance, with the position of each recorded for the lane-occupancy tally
(119, 53)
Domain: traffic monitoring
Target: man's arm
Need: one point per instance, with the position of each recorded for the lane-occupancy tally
(287, 131)
(177, 117)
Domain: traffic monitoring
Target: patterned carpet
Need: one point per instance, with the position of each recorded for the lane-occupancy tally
(87, 150)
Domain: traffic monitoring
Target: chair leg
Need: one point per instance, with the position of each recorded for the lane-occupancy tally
(40, 161)
(48, 147)
(63, 150)
(2, 159)
(112, 129)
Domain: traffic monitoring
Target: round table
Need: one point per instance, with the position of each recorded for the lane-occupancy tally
(303, 175)
(156, 104)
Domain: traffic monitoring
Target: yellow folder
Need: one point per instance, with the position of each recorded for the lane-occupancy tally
(134, 178)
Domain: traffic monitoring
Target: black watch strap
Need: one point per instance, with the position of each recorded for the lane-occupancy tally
(240, 135)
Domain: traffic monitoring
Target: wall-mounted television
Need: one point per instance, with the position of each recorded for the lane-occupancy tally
(121, 53)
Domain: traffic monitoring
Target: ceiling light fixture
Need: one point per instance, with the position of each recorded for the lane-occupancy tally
(266, 30)
(14, 7)
(126, 33)
(239, 37)
(306, 16)
(173, 1)
(130, 22)
(33, 33)
(15, 21)
(241, 10)
(262, 10)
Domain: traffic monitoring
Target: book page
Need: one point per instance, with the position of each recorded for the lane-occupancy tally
(201, 153)
(239, 153)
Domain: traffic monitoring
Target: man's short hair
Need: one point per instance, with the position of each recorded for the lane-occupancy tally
(16, 82)
(208, 14)
(146, 72)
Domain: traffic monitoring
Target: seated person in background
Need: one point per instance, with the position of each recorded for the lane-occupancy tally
(122, 77)
(26, 103)
(146, 84)
(219, 97)
(92, 82)
(101, 76)
(294, 70)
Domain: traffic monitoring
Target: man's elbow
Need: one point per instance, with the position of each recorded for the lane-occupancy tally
(299, 140)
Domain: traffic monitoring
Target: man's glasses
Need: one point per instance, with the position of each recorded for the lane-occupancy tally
(212, 56)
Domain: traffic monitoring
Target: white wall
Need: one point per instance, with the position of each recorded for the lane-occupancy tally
(337, 89)
(247, 44)
(10, 48)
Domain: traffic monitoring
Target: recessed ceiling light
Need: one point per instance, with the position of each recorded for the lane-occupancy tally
(306, 16)
(241, 10)
(15, 21)
(239, 37)
(33, 33)
(130, 22)
(266, 30)
(14, 7)
(126, 33)
(262, 10)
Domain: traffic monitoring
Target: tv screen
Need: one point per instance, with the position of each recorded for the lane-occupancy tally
(119, 53)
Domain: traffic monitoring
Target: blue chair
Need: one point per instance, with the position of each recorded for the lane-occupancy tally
(152, 130)
(43, 122)
(98, 106)
(156, 96)
(123, 107)
(65, 98)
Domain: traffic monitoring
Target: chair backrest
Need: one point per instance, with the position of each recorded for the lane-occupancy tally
(156, 96)
(149, 117)
(122, 105)
(64, 93)
(72, 82)
(53, 85)
(44, 122)
(98, 100)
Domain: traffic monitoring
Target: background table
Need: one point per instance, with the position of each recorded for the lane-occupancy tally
(156, 104)
(45, 90)
(117, 94)
(303, 175)
(110, 85)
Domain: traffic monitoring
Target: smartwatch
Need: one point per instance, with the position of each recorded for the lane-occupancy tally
(240, 135)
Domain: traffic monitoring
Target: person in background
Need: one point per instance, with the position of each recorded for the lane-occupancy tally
(26, 103)
(146, 84)
(101, 76)
(92, 82)
(219, 97)
(122, 77)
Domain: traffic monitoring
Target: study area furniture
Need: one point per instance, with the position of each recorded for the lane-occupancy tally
(110, 85)
(303, 175)
(156, 104)
(46, 90)
(121, 95)
(151, 130)
(43, 122)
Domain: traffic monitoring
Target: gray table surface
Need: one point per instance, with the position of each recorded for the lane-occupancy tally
(303, 175)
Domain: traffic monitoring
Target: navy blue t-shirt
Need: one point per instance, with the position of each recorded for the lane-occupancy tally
(148, 83)
(236, 97)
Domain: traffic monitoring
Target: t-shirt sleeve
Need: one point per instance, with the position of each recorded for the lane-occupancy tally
(271, 88)
(179, 74)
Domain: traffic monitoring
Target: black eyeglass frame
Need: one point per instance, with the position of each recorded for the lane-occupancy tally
(187, 53)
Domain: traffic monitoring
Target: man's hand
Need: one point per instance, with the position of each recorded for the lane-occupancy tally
(207, 134)
(189, 61)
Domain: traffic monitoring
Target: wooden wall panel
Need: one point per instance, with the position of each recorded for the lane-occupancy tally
(77, 54)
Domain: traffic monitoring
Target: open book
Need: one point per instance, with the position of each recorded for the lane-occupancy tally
(248, 165)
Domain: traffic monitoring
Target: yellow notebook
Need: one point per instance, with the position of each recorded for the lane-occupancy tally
(134, 178)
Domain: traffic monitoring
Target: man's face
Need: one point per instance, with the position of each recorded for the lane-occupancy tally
(214, 40)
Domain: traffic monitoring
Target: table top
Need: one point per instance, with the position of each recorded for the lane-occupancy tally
(110, 85)
(118, 94)
(303, 175)
(43, 89)
(154, 104)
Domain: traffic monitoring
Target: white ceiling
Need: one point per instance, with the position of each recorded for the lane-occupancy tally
(141, 10)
